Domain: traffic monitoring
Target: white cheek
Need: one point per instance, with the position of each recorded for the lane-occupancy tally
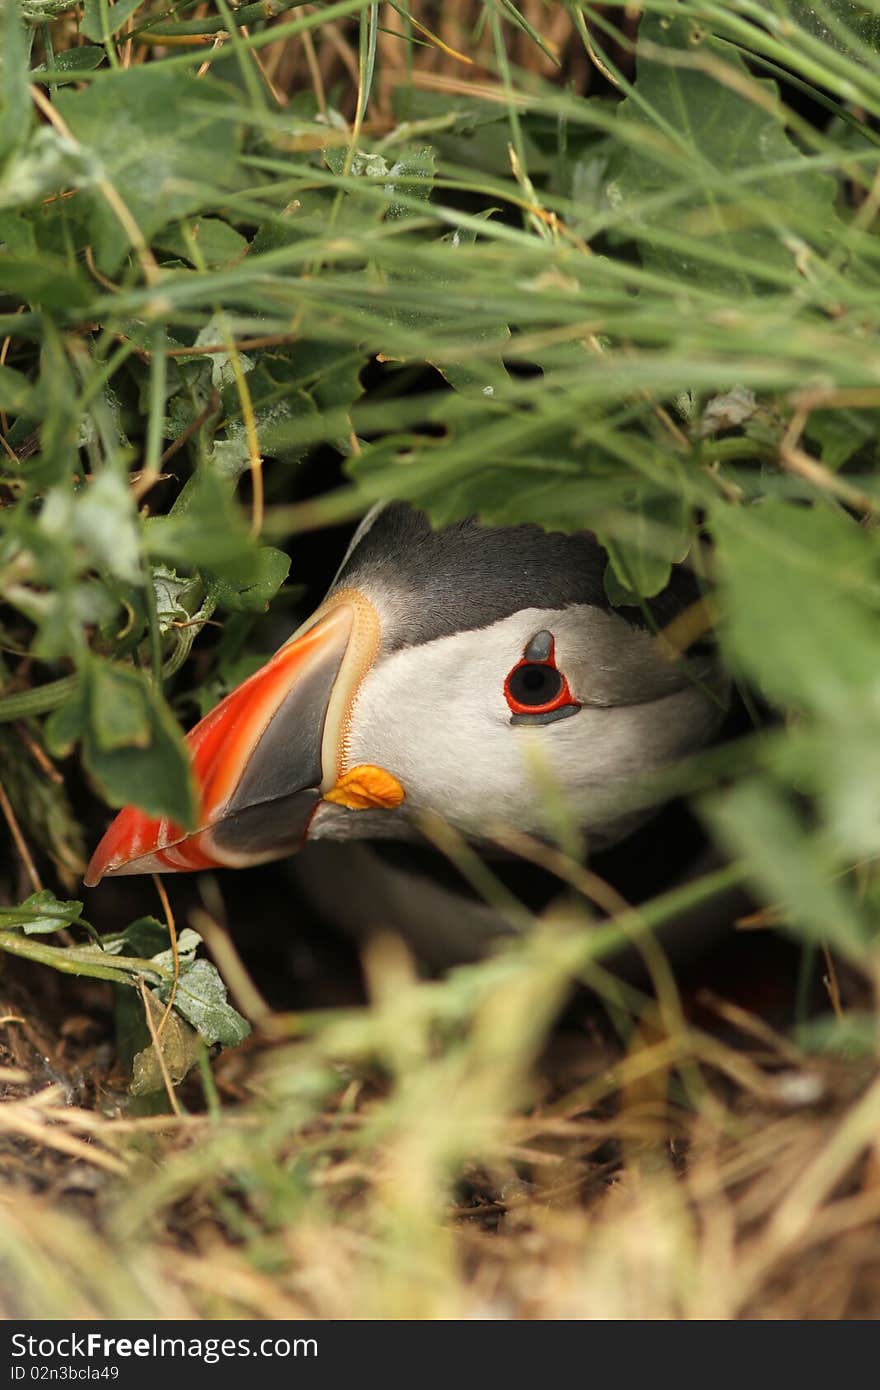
(436, 717)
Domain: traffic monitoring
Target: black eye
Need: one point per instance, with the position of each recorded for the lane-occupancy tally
(532, 686)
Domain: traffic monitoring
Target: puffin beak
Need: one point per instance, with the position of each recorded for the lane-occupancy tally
(266, 756)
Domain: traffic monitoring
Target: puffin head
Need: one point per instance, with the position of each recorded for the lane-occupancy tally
(458, 672)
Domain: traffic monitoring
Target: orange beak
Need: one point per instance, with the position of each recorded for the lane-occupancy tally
(264, 758)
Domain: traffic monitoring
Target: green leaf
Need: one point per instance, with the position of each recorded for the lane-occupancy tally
(852, 1035)
(16, 235)
(74, 60)
(66, 724)
(163, 139)
(105, 520)
(188, 942)
(131, 743)
(642, 549)
(287, 385)
(838, 763)
(215, 242)
(101, 19)
(41, 913)
(119, 713)
(16, 112)
(484, 375)
(16, 393)
(145, 937)
(799, 588)
(410, 178)
(60, 433)
(258, 584)
(852, 27)
(788, 865)
(840, 434)
(180, 1051)
(206, 532)
(201, 998)
(44, 280)
(709, 184)
(45, 164)
(478, 133)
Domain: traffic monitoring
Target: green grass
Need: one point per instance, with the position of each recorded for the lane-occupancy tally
(650, 308)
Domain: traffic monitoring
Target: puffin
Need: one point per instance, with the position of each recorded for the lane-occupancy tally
(470, 676)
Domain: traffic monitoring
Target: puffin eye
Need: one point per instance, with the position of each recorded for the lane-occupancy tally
(536, 690)
(531, 685)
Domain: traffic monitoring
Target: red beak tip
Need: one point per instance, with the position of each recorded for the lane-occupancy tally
(120, 843)
(100, 864)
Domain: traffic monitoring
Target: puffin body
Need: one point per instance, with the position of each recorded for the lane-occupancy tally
(477, 674)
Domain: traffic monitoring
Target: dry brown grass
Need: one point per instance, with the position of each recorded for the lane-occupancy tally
(453, 50)
(694, 1176)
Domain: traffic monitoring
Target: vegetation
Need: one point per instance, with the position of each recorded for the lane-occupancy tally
(587, 265)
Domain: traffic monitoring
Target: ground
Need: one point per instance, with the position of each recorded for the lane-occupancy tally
(712, 1170)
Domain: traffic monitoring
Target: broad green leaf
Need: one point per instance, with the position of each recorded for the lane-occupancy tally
(274, 412)
(837, 763)
(201, 998)
(258, 584)
(801, 596)
(131, 743)
(119, 712)
(43, 280)
(467, 131)
(177, 598)
(357, 209)
(654, 535)
(339, 384)
(410, 178)
(287, 385)
(710, 184)
(163, 139)
(207, 532)
(756, 821)
(484, 374)
(65, 724)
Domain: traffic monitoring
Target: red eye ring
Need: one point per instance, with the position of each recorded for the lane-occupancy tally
(536, 685)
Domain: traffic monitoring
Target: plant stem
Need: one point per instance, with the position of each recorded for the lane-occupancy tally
(26, 703)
